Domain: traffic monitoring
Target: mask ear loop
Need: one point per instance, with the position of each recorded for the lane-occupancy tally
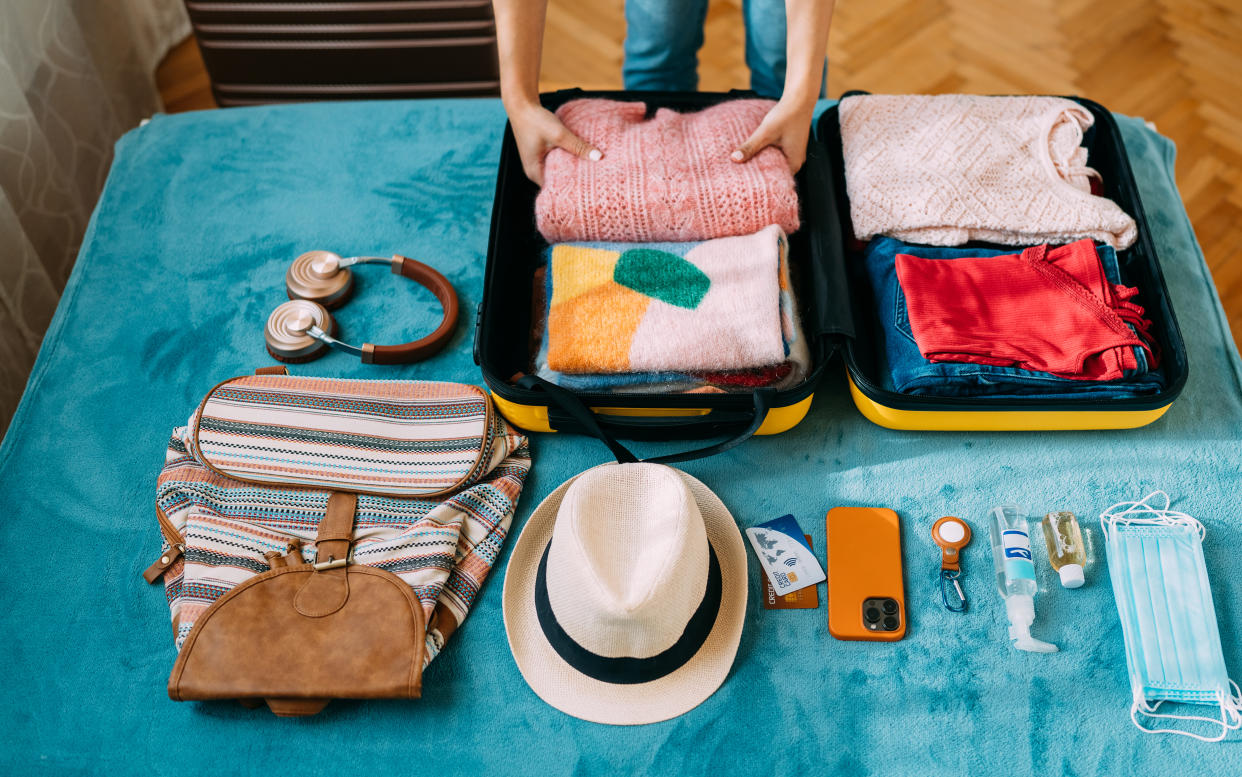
(1230, 710)
(1163, 516)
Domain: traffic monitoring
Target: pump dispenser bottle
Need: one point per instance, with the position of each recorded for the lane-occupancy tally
(1015, 575)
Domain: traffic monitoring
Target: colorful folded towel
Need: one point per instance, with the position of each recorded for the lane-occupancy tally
(667, 178)
(1046, 309)
(948, 169)
(673, 316)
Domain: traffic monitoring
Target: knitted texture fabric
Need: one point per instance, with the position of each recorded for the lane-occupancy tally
(1043, 309)
(948, 169)
(683, 315)
(667, 178)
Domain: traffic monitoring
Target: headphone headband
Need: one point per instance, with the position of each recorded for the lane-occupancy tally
(435, 282)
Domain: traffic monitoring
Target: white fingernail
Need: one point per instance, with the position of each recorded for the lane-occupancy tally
(595, 155)
(737, 156)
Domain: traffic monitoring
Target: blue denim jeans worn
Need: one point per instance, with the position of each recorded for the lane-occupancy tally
(663, 38)
(905, 370)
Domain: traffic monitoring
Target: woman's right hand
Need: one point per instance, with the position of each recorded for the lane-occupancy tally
(538, 131)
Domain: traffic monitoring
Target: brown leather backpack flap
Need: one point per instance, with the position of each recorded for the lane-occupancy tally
(296, 637)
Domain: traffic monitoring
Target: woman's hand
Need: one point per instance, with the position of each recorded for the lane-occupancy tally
(538, 131)
(519, 41)
(787, 127)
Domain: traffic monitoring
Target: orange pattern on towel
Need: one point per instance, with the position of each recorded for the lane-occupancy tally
(598, 328)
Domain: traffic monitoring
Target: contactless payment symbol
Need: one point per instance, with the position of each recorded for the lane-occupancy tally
(782, 548)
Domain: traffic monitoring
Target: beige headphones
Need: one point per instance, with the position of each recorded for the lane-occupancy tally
(302, 328)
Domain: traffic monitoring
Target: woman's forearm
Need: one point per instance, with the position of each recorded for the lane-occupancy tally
(806, 45)
(519, 40)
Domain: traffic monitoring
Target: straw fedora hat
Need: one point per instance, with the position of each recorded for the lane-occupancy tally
(625, 594)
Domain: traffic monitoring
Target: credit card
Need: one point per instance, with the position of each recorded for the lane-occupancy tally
(802, 599)
(785, 555)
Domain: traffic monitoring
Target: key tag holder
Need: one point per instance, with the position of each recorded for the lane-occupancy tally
(951, 534)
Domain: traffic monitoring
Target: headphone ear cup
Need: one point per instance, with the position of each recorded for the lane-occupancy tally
(332, 301)
(316, 276)
(287, 341)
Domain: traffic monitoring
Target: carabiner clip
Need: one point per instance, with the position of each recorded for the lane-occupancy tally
(947, 577)
(951, 534)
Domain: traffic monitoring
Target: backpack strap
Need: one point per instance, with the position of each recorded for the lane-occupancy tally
(336, 531)
(327, 588)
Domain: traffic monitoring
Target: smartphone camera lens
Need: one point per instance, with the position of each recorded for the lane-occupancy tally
(872, 614)
(890, 623)
(890, 606)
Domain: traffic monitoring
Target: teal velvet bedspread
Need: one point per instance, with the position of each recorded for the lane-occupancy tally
(183, 261)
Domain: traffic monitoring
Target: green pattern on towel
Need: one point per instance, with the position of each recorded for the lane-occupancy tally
(664, 276)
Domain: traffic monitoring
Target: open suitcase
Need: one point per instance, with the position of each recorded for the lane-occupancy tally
(837, 314)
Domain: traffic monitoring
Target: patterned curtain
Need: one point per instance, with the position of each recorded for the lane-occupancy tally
(74, 76)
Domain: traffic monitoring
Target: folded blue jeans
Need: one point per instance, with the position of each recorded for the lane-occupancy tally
(903, 368)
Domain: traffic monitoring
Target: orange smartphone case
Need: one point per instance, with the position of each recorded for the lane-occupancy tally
(864, 565)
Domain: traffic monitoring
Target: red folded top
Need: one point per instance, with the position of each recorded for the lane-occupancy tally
(1046, 309)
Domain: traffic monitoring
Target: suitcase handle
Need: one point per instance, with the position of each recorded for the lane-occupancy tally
(573, 406)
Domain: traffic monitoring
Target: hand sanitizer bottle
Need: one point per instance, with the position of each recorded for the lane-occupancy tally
(1015, 575)
(1065, 548)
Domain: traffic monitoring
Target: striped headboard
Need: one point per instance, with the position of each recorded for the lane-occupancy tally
(265, 51)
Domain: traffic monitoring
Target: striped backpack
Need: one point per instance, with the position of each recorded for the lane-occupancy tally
(323, 537)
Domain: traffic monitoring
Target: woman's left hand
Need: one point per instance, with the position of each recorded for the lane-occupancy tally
(787, 126)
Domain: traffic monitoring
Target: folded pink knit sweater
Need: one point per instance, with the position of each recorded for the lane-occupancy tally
(947, 169)
(667, 178)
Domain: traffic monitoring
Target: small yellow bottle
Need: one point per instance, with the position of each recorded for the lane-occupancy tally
(1065, 548)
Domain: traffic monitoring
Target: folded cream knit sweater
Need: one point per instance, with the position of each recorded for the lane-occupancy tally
(947, 169)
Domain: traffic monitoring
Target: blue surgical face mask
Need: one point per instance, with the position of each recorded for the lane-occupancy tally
(1155, 560)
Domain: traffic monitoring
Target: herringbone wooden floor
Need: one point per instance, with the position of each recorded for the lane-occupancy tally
(1177, 63)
